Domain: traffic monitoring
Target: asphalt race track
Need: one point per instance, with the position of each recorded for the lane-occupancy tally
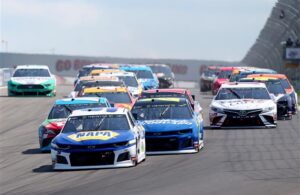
(233, 162)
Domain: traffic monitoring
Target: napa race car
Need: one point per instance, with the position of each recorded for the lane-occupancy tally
(243, 105)
(58, 115)
(171, 125)
(144, 75)
(99, 138)
(32, 80)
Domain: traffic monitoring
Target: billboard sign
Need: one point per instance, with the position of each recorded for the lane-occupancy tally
(292, 53)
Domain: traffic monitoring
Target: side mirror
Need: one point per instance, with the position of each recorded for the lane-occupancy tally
(193, 96)
(112, 104)
(134, 115)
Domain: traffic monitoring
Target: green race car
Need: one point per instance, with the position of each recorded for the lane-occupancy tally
(32, 80)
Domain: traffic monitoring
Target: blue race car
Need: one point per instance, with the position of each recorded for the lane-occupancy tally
(171, 125)
(59, 113)
(144, 75)
(99, 138)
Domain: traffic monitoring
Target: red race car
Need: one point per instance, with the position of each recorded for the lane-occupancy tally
(222, 77)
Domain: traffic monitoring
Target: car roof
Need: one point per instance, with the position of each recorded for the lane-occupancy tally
(105, 89)
(226, 68)
(81, 100)
(32, 66)
(103, 71)
(161, 100)
(243, 85)
(170, 90)
(99, 111)
(260, 78)
(279, 76)
(257, 70)
(136, 67)
(104, 65)
(119, 74)
(99, 78)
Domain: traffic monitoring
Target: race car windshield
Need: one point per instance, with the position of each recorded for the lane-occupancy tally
(129, 81)
(63, 111)
(275, 88)
(242, 93)
(96, 123)
(162, 69)
(285, 83)
(224, 74)
(162, 111)
(113, 97)
(142, 74)
(80, 85)
(209, 73)
(31, 73)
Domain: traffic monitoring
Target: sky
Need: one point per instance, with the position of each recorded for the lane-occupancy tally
(181, 29)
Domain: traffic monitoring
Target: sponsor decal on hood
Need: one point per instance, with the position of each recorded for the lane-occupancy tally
(243, 104)
(93, 135)
(167, 125)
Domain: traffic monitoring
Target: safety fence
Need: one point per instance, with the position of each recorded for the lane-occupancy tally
(269, 50)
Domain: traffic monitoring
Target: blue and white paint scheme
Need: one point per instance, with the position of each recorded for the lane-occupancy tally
(144, 75)
(99, 147)
(170, 135)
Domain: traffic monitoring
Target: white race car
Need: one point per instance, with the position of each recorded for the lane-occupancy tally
(99, 138)
(130, 80)
(243, 105)
(32, 80)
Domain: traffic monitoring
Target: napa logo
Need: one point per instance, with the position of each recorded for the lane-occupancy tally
(93, 135)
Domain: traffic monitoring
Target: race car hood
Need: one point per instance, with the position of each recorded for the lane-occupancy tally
(30, 80)
(94, 137)
(167, 125)
(242, 104)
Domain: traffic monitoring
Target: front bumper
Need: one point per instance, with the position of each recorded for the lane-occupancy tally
(249, 120)
(30, 89)
(93, 159)
(172, 144)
